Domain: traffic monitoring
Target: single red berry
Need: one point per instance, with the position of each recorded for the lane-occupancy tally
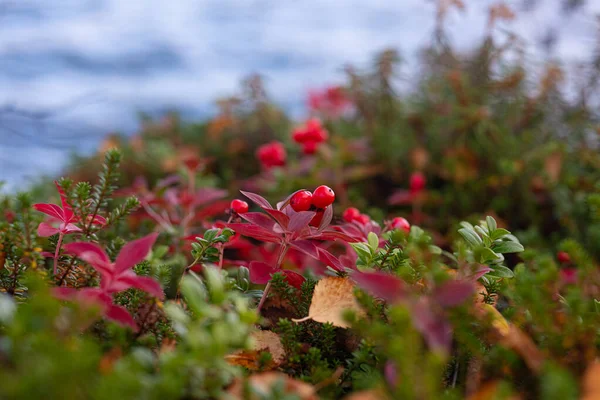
(350, 214)
(363, 219)
(309, 147)
(299, 135)
(323, 196)
(563, 257)
(239, 206)
(316, 221)
(417, 182)
(301, 201)
(401, 223)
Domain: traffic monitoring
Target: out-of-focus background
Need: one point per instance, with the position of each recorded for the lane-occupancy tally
(72, 71)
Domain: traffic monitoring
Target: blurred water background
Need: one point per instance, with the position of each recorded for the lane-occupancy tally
(72, 71)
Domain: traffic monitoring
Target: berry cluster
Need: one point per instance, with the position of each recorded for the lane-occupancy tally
(318, 200)
(271, 154)
(352, 214)
(310, 136)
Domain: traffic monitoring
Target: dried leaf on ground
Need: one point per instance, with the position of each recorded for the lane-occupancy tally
(331, 297)
(591, 382)
(263, 341)
(262, 384)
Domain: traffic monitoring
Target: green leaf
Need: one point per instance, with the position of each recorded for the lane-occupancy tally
(499, 233)
(373, 241)
(361, 249)
(501, 271)
(508, 247)
(470, 236)
(487, 255)
(491, 224)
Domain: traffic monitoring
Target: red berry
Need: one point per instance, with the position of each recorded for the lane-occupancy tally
(417, 182)
(309, 147)
(563, 257)
(299, 135)
(272, 154)
(350, 214)
(316, 221)
(239, 206)
(401, 223)
(301, 201)
(363, 219)
(323, 196)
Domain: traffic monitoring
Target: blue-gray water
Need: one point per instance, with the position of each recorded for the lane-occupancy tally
(73, 70)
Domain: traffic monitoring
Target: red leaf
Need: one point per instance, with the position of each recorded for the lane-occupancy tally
(131, 280)
(307, 247)
(333, 235)
(260, 272)
(211, 210)
(134, 252)
(67, 211)
(50, 209)
(327, 217)
(379, 284)
(327, 258)
(300, 220)
(45, 230)
(259, 200)
(256, 232)
(281, 218)
(453, 293)
(294, 279)
(259, 219)
(208, 195)
(435, 327)
(92, 254)
(120, 315)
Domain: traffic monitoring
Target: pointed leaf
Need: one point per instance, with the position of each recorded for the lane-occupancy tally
(121, 316)
(259, 219)
(379, 284)
(293, 278)
(307, 247)
(508, 247)
(281, 218)
(329, 259)
(144, 283)
(299, 220)
(50, 209)
(260, 272)
(259, 200)
(45, 230)
(134, 252)
(256, 232)
(453, 293)
(327, 217)
(92, 254)
(333, 235)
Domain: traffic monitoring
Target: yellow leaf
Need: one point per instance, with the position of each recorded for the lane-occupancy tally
(263, 341)
(331, 297)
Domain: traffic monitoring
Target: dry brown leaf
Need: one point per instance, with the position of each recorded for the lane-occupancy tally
(263, 341)
(263, 382)
(331, 297)
(591, 382)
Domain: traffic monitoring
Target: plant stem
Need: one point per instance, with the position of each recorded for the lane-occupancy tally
(58, 244)
(282, 252)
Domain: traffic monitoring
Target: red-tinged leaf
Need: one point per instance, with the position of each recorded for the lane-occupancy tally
(208, 195)
(212, 210)
(256, 232)
(168, 181)
(453, 293)
(92, 254)
(379, 284)
(329, 259)
(121, 316)
(281, 218)
(307, 247)
(294, 279)
(327, 217)
(64, 293)
(70, 228)
(50, 209)
(333, 235)
(131, 280)
(259, 219)
(260, 272)
(134, 252)
(478, 273)
(67, 211)
(99, 220)
(259, 200)
(45, 230)
(300, 220)
(436, 329)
